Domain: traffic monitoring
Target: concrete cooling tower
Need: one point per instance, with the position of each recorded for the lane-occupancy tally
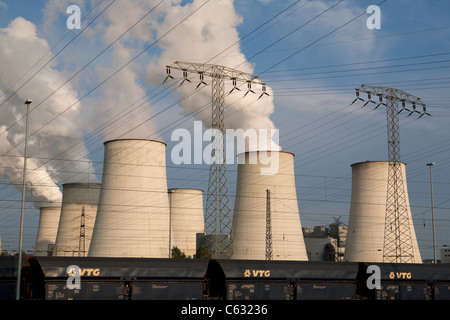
(366, 227)
(133, 213)
(249, 217)
(78, 199)
(186, 219)
(47, 230)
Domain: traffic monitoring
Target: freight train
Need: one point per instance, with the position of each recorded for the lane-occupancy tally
(50, 278)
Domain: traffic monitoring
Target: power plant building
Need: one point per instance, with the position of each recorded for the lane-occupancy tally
(259, 192)
(133, 211)
(186, 219)
(326, 243)
(78, 212)
(366, 226)
(47, 230)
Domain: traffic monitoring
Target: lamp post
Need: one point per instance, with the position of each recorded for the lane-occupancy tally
(19, 264)
(431, 164)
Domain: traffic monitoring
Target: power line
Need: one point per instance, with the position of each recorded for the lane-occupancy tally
(315, 41)
(54, 56)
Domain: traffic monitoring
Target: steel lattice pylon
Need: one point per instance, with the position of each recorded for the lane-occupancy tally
(82, 240)
(398, 245)
(218, 219)
(269, 253)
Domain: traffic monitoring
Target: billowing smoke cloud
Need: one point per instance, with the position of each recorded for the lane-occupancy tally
(200, 39)
(123, 108)
(119, 108)
(56, 150)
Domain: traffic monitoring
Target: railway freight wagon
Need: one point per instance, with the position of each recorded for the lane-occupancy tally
(284, 280)
(46, 278)
(117, 278)
(8, 277)
(406, 281)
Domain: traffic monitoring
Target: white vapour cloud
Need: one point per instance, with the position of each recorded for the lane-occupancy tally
(119, 108)
(55, 146)
(200, 38)
(119, 105)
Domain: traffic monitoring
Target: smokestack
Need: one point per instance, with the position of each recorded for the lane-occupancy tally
(133, 212)
(186, 219)
(47, 230)
(365, 238)
(249, 219)
(77, 198)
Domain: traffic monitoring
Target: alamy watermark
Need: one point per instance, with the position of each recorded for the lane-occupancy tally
(190, 150)
(374, 280)
(74, 279)
(374, 21)
(74, 20)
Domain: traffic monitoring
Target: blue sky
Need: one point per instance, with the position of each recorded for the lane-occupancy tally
(312, 70)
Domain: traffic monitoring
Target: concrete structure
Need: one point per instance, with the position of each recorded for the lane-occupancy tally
(326, 243)
(133, 212)
(186, 219)
(77, 198)
(47, 230)
(445, 255)
(365, 237)
(249, 217)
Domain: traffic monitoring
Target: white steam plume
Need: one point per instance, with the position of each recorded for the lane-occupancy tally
(56, 150)
(200, 38)
(117, 106)
(120, 106)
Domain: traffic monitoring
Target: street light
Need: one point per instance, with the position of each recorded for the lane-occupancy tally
(431, 164)
(19, 267)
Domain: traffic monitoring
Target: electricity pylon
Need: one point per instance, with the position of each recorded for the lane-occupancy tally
(269, 253)
(397, 245)
(82, 240)
(218, 218)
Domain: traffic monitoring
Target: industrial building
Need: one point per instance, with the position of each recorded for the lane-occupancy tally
(133, 210)
(445, 255)
(326, 243)
(186, 219)
(78, 213)
(366, 226)
(132, 213)
(263, 199)
(47, 230)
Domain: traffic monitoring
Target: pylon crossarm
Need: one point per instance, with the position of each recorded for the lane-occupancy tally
(212, 70)
(391, 94)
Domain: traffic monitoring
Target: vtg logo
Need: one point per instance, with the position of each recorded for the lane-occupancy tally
(75, 273)
(400, 275)
(257, 273)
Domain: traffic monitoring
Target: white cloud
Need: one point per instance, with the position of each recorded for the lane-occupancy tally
(315, 22)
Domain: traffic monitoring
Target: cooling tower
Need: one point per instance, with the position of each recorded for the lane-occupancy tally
(186, 219)
(78, 198)
(249, 218)
(47, 230)
(365, 237)
(133, 214)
